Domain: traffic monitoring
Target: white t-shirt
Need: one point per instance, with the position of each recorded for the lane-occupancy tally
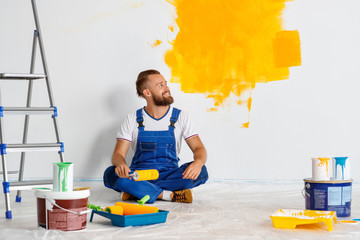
(184, 128)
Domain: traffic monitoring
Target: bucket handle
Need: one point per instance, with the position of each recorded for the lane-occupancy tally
(303, 192)
(67, 210)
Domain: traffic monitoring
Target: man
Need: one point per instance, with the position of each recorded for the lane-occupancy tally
(155, 132)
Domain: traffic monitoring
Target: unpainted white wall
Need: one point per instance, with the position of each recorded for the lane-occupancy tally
(95, 49)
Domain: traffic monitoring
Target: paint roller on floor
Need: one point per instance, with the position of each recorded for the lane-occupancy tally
(121, 208)
(143, 175)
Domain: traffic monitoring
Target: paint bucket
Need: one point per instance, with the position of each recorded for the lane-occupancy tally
(329, 196)
(65, 211)
(63, 176)
(341, 166)
(321, 169)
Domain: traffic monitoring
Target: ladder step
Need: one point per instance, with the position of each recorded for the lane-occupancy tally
(28, 110)
(24, 185)
(10, 172)
(32, 147)
(21, 76)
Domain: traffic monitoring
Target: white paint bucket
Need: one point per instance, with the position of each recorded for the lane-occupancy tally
(321, 168)
(341, 167)
(65, 211)
(63, 176)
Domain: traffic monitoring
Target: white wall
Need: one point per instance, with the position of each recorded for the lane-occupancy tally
(95, 49)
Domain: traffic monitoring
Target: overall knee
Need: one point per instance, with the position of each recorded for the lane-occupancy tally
(110, 177)
(203, 174)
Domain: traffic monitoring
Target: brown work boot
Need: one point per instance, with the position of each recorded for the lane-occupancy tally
(185, 196)
(126, 196)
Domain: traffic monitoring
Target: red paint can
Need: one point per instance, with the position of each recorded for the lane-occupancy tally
(65, 211)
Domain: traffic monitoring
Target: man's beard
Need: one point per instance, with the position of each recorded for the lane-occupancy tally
(162, 101)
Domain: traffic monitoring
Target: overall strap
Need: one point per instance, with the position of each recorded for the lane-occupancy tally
(140, 119)
(174, 117)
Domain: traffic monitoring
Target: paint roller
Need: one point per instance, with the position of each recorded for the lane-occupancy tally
(143, 175)
(132, 209)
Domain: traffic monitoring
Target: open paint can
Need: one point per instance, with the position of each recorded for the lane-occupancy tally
(63, 176)
(341, 166)
(329, 196)
(321, 168)
(65, 211)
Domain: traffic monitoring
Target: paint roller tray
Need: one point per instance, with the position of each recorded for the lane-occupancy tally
(288, 218)
(133, 220)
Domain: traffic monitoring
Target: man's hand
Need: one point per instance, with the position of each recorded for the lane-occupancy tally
(192, 171)
(122, 170)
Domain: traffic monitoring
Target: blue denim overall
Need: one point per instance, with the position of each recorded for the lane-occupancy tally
(155, 150)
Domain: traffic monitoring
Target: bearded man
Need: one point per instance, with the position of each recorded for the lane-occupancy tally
(155, 133)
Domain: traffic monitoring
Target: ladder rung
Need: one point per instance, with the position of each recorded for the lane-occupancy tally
(31, 147)
(29, 110)
(23, 185)
(10, 172)
(21, 76)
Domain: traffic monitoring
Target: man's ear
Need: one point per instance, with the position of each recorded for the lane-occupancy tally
(146, 92)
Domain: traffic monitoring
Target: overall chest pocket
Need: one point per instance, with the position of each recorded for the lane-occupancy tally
(148, 146)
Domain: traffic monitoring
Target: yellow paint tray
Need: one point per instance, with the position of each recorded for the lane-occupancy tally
(288, 218)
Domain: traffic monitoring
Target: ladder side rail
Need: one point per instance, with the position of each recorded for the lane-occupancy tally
(42, 53)
(27, 117)
(47, 78)
(5, 183)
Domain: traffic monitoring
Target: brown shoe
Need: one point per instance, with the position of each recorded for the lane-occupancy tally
(184, 196)
(126, 196)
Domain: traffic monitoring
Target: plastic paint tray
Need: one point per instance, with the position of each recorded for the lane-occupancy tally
(133, 220)
(287, 218)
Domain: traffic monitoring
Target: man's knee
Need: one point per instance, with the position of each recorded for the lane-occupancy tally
(203, 176)
(110, 177)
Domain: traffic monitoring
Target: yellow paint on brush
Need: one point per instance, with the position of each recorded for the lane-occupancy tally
(324, 162)
(225, 47)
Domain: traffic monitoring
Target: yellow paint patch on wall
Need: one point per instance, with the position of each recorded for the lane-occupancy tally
(225, 47)
(287, 49)
(156, 43)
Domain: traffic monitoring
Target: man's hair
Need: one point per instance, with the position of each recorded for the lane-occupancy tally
(142, 79)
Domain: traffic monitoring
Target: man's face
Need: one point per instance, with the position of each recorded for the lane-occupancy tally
(159, 90)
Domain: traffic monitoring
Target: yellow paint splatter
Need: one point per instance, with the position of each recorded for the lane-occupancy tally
(156, 43)
(212, 110)
(225, 47)
(324, 162)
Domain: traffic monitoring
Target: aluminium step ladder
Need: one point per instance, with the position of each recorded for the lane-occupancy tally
(27, 111)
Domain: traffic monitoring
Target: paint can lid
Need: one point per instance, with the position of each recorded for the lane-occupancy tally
(327, 181)
(49, 194)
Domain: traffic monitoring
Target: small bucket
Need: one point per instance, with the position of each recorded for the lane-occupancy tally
(65, 211)
(329, 196)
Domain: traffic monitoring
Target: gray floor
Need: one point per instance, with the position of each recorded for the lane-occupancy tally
(222, 210)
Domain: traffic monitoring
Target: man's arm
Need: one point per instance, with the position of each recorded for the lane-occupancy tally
(118, 158)
(194, 169)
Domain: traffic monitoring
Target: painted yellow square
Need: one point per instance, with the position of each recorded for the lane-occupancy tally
(287, 52)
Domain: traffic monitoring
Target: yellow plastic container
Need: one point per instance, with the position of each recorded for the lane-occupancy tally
(288, 218)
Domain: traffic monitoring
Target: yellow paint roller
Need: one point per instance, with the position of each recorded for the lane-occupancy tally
(143, 175)
(115, 210)
(132, 209)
